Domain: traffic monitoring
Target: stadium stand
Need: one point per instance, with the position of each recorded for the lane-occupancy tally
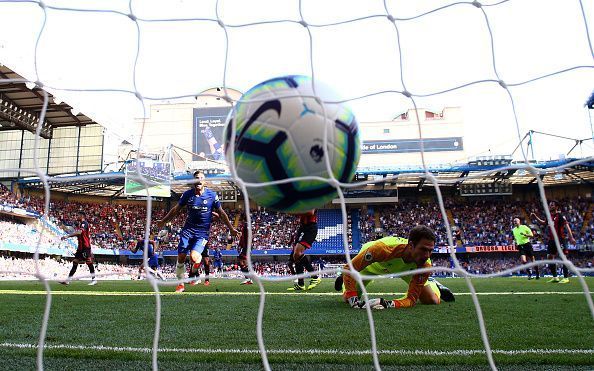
(330, 228)
(16, 233)
(482, 222)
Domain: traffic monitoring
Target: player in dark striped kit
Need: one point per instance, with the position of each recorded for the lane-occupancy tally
(298, 261)
(242, 249)
(83, 251)
(564, 233)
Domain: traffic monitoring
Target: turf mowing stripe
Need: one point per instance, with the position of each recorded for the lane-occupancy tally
(456, 352)
(247, 293)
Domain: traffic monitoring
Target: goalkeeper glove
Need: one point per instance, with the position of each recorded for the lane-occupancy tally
(381, 303)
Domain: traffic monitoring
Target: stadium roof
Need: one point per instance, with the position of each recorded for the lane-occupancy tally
(489, 170)
(559, 172)
(89, 184)
(21, 104)
(110, 184)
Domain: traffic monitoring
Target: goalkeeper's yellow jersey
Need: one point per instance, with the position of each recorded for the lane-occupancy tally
(384, 256)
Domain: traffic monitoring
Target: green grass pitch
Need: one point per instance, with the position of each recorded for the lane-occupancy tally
(531, 325)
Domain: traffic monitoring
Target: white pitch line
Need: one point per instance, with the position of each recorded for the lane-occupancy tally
(402, 352)
(247, 293)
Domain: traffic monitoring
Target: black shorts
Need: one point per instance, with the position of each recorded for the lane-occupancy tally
(306, 234)
(526, 249)
(552, 248)
(205, 252)
(84, 255)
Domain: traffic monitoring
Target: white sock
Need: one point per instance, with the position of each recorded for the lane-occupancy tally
(180, 271)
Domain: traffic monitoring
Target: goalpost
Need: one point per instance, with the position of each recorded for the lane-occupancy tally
(396, 23)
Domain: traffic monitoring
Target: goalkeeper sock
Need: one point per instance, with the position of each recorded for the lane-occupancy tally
(537, 271)
(565, 271)
(180, 271)
(73, 270)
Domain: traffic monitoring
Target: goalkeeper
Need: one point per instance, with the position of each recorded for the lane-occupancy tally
(395, 255)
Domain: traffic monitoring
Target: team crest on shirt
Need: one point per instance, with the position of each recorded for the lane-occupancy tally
(368, 256)
(205, 202)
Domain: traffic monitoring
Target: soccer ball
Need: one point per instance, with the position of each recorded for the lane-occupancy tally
(279, 134)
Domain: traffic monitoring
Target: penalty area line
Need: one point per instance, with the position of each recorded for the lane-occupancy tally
(400, 352)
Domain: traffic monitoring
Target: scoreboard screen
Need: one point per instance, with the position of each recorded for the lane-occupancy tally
(153, 171)
(485, 189)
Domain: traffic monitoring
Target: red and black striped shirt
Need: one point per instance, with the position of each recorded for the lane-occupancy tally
(84, 239)
(308, 218)
(243, 240)
(559, 222)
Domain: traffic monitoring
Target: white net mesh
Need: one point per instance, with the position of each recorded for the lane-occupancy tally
(519, 65)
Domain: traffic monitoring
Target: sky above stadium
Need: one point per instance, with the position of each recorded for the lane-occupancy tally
(440, 50)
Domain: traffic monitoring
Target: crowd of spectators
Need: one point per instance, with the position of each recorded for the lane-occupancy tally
(55, 269)
(16, 268)
(11, 231)
(115, 225)
(488, 265)
(27, 203)
(273, 230)
(481, 222)
(484, 222)
(473, 222)
(399, 218)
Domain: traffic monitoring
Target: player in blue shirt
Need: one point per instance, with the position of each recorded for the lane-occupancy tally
(200, 203)
(151, 255)
(218, 260)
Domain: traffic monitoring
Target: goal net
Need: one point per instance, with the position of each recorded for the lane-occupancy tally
(518, 70)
